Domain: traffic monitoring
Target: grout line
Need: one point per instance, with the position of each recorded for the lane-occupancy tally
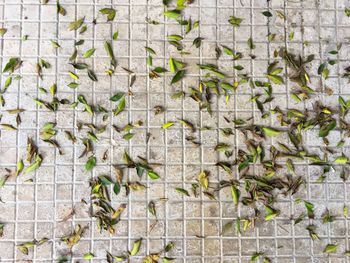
(17, 136)
(292, 209)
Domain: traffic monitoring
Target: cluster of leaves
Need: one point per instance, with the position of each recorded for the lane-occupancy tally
(73, 238)
(153, 257)
(107, 216)
(24, 247)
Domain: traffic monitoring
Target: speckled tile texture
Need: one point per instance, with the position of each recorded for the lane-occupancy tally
(38, 205)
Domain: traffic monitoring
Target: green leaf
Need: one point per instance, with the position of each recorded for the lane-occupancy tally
(235, 21)
(20, 167)
(341, 160)
(82, 100)
(73, 85)
(90, 164)
(182, 191)
(172, 65)
(83, 29)
(8, 82)
(153, 175)
(276, 79)
(228, 51)
(227, 86)
(256, 256)
(235, 194)
(267, 13)
(172, 13)
(2, 229)
(250, 43)
(226, 227)
(80, 66)
(271, 132)
(110, 12)
(88, 256)
(325, 129)
(345, 211)
(178, 76)
(169, 246)
(3, 180)
(109, 50)
(76, 24)
(221, 147)
(271, 213)
(310, 209)
(197, 42)
(160, 70)
(11, 65)
(105, 180)
(120, 106)
(89, 53)
(150, 50)
(35, 165)
(128, 136)
(117, 96)
(167, 125)
(330, 248)
(175, 38)
(347, 11)
(120, 98)
(116, 188)
(55, 44)
(92, 75)
(115, 35)
(136, 247)
(166, 259)
(79, 42)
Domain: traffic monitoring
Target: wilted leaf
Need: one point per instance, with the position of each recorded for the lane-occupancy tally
(203, 179)
(3, 31)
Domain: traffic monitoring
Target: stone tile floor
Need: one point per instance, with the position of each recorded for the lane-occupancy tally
(38, 208)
